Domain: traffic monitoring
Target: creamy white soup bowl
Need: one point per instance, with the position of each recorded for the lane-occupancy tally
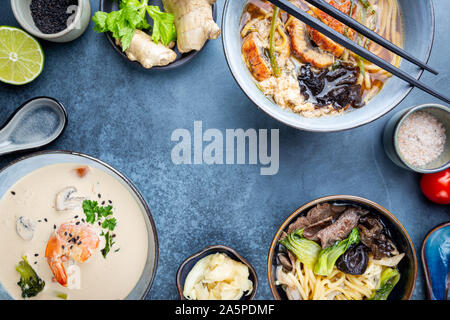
(23, 166)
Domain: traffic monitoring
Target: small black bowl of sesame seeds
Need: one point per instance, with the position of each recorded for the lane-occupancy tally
(53, 20)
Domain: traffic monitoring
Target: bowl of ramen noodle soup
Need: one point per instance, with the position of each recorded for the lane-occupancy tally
(342, 248)
(304, 79)
(73, 228)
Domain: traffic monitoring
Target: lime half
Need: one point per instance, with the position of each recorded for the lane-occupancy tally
(21, 56)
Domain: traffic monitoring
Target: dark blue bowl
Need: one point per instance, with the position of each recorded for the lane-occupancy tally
(407, 267)
(189, 263)
(182, 58)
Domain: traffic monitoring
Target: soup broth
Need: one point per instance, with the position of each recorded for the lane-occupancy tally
(34, 198)
(291, 62)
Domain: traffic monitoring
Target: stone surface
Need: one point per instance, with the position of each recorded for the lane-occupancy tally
(125, 116)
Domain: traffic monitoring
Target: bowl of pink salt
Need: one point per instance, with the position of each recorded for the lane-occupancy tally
(418, 138)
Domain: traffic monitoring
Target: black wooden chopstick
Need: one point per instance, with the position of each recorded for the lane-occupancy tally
(362, 29)
(352, 46)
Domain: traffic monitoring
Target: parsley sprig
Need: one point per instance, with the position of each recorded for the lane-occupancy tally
(102, 214)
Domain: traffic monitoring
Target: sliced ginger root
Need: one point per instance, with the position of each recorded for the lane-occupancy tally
(194, 23)
(148, 53)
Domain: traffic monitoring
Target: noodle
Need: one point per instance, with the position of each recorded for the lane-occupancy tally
(337, 286)
(384, 17)
(284, 37)
(248, 27)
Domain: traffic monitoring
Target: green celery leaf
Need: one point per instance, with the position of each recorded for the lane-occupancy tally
(163, 25)
(100, 21)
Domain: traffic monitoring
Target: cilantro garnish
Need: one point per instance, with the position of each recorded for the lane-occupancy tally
(101, 214)
(109, 224)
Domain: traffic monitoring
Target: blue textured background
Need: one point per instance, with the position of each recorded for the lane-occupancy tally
(125, 116)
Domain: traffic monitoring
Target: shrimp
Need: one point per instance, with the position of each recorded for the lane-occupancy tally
(72, 240)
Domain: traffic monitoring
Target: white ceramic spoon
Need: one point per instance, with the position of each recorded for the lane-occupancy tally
(35, 124)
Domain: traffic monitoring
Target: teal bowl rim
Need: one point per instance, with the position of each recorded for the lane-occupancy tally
(407, 113)
(367, 121)
(126, 180)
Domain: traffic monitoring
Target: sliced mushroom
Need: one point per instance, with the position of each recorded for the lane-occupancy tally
(285, 262)
(65, 201)
(25, 227)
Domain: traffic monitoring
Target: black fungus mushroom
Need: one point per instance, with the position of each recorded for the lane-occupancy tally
(354, 260)
(373, 236)
(336, 87)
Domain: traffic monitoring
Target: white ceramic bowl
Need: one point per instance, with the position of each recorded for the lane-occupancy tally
(22, 12)
(419, 35)
(18, 169)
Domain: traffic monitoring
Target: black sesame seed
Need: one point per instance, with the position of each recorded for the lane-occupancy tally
(103, 203)
(39, 220)
(45, 219)
(36, 254)
(71, 247)
(62, 246)
(79, 243)
(110, 201)
(114, 235)
(99, 195)
(54, 226)
(76, 217)
(70, 235)
(65, 233)
(51, 16)
(13, 193)
(35, 262)
(78, 237)
(78, 222)
(83, 220)
(99, 223)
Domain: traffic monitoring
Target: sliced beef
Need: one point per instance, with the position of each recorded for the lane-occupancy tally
(311, 231)
(340, 229)
(300, 223)
(372, 235)
(320, 212)
(338, 209)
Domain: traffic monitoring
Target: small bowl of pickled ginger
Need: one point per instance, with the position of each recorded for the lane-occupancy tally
(216, 273)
